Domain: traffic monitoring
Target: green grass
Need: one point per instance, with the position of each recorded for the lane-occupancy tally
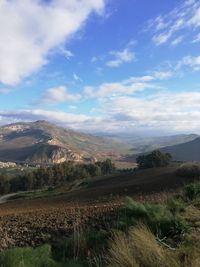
(159, 218)
(36, 194)
(28, 257)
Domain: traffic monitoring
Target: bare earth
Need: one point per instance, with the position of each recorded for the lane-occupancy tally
(36, 221)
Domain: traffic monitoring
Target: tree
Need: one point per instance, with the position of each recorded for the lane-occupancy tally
(106, 166)
(154, 159)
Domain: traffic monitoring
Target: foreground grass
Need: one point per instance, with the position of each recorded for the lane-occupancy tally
(28, 257)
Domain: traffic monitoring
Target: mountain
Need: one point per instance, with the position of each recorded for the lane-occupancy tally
(189, 151)
(152, 143)
(42, 142)
(142, 144)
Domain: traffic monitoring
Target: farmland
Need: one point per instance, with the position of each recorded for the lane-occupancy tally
(37, 218)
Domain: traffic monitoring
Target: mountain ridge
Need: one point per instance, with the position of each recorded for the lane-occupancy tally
(43, 142)
(188, 151)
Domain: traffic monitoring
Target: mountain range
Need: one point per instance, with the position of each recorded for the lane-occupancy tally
(42, 142)
(143, 144)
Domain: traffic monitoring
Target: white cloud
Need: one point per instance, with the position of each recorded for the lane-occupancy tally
(161, 111)
(69, 119)
(192, 62)
(161, 38)
(197, 38)
(128, 86)
(30, 30)
(68, 54)
(177, 40)
(195, 20)
(120, 57)
(112, 89)
(58, 95)
(168, 111)
(162, 75)
(184, 17)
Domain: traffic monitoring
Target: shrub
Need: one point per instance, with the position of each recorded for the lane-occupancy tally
(192, 191)
(158, 217)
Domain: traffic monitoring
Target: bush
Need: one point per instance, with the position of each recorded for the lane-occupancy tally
(158, 217)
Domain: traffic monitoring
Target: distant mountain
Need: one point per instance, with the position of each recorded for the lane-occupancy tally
(42, 142)
(143, 144)
(189, 151)
(152, 143)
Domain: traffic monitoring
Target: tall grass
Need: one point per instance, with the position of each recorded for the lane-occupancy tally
(139, 248)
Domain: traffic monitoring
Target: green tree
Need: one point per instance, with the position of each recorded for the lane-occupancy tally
(154, 159)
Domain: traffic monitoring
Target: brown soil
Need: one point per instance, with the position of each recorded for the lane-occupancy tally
(36, 221)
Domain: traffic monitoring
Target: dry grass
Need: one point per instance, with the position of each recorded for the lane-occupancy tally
(121, 254)
(139, 249)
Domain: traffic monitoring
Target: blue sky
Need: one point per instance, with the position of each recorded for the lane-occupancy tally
(101, 65)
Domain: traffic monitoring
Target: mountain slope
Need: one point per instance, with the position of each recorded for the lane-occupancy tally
(142, 144)
(41, 141)
(189, 151)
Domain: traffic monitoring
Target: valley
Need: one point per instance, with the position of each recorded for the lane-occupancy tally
(74, 207)
(99, 133)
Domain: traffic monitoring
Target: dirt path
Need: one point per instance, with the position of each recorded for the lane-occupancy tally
(5, 198)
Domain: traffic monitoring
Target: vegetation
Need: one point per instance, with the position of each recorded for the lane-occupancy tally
(192, 191)
(139, 247)
(56, 175)
(28, 257)
(189, 170)
(144, 235)
(154, 159)
(135, 235)
(159, 218)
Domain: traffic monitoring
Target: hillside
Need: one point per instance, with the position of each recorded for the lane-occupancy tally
(142, 144)
(189, 151)
(42, 142)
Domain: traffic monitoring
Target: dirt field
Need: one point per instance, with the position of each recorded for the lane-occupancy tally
(35, 221)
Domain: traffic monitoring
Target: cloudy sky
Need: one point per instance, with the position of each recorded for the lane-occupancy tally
(101, 65)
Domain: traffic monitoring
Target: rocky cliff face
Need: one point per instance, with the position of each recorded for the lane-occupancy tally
(61, 155)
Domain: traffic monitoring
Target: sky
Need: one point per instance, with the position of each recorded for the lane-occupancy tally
(101, 66)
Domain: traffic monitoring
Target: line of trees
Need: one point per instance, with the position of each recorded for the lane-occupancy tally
(57, 175)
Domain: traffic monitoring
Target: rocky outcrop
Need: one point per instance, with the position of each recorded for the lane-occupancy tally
(61, 155)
